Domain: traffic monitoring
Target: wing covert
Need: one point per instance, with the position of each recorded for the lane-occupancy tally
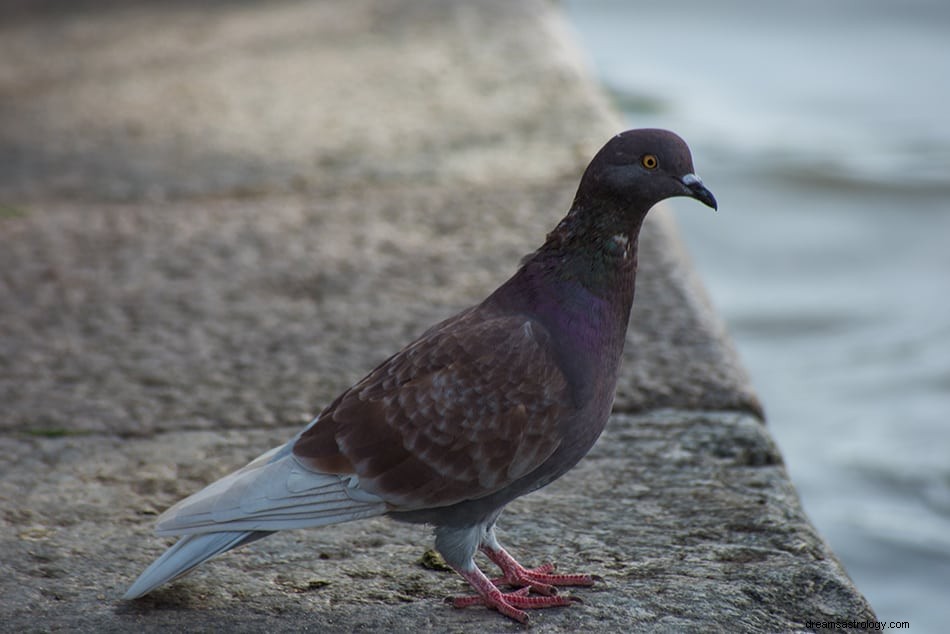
(465, 410)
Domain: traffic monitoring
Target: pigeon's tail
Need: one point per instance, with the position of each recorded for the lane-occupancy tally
(274, 492)
(186, 554)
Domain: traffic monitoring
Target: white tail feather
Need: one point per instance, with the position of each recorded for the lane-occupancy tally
(181, 558)
(269, 496)
(274, 492)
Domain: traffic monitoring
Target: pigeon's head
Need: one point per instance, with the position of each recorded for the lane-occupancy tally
(638, 168)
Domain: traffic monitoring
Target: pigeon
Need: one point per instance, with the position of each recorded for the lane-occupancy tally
(489, 405)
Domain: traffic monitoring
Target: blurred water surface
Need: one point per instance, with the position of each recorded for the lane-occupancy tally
(822, 127)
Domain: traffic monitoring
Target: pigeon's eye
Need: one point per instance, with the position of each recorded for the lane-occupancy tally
(649, 161)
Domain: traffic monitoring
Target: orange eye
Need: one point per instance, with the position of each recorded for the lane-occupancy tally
(649, 161)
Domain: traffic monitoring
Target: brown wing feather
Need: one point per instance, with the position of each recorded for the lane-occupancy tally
(471, 406)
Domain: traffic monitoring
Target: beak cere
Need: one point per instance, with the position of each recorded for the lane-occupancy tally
(696, 189)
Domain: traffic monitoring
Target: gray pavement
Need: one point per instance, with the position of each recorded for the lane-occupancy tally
(215, 217)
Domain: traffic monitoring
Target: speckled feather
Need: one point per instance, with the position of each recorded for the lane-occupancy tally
(470, 407)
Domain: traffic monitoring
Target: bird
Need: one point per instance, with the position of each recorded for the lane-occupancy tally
(484, 407)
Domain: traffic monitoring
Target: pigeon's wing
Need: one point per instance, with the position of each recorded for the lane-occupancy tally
(470, 407)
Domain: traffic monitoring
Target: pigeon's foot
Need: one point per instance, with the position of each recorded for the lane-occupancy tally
(508, 603)
(538, 579)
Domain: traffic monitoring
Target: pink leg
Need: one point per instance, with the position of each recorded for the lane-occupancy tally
(506, 603)
(538, 579)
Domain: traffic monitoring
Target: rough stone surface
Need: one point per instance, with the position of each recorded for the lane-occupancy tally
(689, 518)
(213, 219)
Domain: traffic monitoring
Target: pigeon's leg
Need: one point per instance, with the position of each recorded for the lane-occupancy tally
(458, 546)
(508, 603)
(538, 579)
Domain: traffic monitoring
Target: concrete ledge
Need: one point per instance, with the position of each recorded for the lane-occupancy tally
(688, 516)
(213, 219)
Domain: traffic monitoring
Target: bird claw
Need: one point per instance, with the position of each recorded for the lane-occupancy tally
(540, 579)
(542, 582)
(477, 599)
(536, 587)
(512, 604)
(508, 603)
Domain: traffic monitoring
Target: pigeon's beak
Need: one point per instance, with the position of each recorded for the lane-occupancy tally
(696, 189)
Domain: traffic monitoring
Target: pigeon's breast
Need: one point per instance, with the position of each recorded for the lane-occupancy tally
(587, 334)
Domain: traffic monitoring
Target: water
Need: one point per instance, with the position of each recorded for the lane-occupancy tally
(822, 128)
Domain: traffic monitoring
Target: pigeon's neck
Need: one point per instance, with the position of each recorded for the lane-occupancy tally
(596, 249)
(580, 285)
